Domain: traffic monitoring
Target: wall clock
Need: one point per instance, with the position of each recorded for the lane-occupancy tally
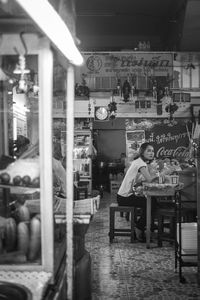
(101, 113)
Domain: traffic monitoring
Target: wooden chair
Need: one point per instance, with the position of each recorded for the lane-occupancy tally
(167, 215)
(166, 220)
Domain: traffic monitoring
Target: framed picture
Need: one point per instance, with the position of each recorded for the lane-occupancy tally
(195, 110)
(181, 97)
(143, 103)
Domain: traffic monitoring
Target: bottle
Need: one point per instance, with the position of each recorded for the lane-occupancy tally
(166, 170)
(160, 178)
(140, 45)
(148, 46)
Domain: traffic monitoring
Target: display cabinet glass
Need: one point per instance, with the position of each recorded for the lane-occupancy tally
(82, 156)
(19, 168)
(81, 153)
(32, 177)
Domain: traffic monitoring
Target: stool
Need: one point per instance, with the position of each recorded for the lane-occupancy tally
(117, 231)
(164, 214)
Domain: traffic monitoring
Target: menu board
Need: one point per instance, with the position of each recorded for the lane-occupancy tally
(169, 139)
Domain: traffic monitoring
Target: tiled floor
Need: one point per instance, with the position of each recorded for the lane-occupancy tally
(126, 271)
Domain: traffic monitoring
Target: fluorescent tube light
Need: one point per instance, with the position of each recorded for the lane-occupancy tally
(49, 21)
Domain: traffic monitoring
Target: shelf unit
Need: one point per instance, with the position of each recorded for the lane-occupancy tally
(82, 159)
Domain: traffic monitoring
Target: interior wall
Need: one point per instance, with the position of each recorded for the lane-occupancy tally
(110, 144)
(109, 138)
(168, 139)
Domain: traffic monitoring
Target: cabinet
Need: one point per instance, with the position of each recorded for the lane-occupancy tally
(32, 235)
(186, 250)
(82, 157)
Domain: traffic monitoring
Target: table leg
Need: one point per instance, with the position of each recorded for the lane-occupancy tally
(148, 231)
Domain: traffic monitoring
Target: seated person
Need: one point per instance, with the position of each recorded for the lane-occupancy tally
(136, 173)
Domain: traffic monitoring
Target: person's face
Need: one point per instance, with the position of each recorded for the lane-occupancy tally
(149, 153)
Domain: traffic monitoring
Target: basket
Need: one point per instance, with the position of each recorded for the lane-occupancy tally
(87, 206)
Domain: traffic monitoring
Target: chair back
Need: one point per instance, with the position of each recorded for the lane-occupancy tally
(189, 192)
(189, 178)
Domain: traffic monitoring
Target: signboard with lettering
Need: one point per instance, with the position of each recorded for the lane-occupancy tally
(103, 69)
(169, 140)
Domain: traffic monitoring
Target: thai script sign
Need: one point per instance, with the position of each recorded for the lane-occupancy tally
(122, 63)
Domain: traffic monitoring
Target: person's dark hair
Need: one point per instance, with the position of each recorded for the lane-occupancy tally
(143, 147)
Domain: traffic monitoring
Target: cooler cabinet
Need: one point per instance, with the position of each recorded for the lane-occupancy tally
(82, 157)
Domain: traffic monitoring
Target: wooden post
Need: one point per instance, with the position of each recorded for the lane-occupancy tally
(45, 147)
(69, 179)
(1, 119)
(198, 212)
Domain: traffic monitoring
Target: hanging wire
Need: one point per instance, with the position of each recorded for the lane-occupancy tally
(23, 43)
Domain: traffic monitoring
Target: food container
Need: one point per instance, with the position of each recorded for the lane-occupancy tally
(172, 179)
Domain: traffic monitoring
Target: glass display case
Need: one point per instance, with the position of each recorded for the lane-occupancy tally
(32, 178)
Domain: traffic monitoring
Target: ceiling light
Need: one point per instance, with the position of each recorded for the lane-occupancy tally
(49, 21)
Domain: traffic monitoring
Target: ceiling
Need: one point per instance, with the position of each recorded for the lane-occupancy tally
(169, 25)
(116, 24)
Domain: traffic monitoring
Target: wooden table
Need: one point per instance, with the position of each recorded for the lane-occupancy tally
(156, 193)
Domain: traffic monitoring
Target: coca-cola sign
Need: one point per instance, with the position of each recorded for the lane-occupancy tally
(180, 152)
(169, 140)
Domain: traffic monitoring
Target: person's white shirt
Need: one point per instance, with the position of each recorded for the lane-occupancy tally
(132, 177)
